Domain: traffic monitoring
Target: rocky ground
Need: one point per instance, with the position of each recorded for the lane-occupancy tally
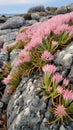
(27, 104)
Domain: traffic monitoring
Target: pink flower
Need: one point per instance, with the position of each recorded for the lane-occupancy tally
(36, 40)
(49, 68)
(18, 62)
(46, 56)
(24, 56)
(57, 78)
(60, 89)
(3, 50)
(7, 80)
(65, 82)
(21, 37)
(60, 110)
(68, 95)
(54, 43)
(9, 91)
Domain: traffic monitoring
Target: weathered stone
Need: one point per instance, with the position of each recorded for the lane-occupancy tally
(13, 22)
(61, 10)
(2, 19)
(62, 127)
(37, 9)
(35, 16)
(30, 22)
(67, 60)
(52, 9)
(71, 75)
(70, 7)
(3, 56)
(5, 32)
(1, 104)
(1, 43)
(14, 53)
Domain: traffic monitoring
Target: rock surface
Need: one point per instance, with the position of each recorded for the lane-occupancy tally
(14, 22)
(37, 9)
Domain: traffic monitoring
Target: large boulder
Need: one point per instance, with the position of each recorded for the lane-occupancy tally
(52, 9)
(30, 22)
(64, 9)
(61, 10)
(70, 7)
(35, 16)
(36, 9)
(28, 108)
(2, 19)
(13, 22)
(3, 56)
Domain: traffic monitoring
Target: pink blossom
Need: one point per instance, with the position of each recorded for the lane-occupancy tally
(24, 56)
(3, 50)
(9, 91)
(7, 80)
(21, 37)
(49, 68)
(60, 110)
(60, 89)
(18, 62)
(56, 24)
(68, 94)
(57, 78)
(54, 43)
(36, 40)
(46, 56)
(65, 82)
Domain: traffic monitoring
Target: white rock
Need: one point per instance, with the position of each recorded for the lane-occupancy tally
(26, 111)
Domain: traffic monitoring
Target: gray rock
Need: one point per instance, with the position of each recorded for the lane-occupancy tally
(35, 16)
(8, 43)
(3, 56)
(1, 104)
(62, 127)
(70, 7)
(61, 10)
(5, 32)
(13, 22)
(1, 43)
(70, 76)
(30, 22)
(9, 36)
(58, 57)
(36, 9)
(2, 19)
(26, 112)
(67, 60)
(14, 53)
(45, 18)
(52, 9)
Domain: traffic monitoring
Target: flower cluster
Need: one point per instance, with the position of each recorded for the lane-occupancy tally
(38, 43)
